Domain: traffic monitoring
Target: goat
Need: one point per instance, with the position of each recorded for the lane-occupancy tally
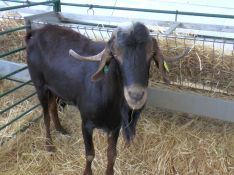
(106, 99)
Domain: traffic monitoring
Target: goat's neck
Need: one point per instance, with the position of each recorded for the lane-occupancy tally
(113, 80)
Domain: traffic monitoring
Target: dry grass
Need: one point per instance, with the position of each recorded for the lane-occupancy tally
(203, 67)
(166, 143)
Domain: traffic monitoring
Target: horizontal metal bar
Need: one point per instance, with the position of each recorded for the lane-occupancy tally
(191, 103)
(204, 38)
(103, 21)
(16, 1)
(9, 67)
(207, 27)
(18, 81)
(65, 20)
(29, 123)
(12, 52)
(22, 129)
(27, 5)
(150, 10)
(13, 30)
(18, 117)
(215, 37)
(14, 89)
(18, 102)
(13, 73)
(24, 10)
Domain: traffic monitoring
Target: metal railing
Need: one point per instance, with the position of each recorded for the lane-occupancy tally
(216, 80)
(26, 5)
(173, 12)
(5, 93)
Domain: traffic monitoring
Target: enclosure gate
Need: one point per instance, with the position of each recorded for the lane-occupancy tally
(219, 81)
(17, 73)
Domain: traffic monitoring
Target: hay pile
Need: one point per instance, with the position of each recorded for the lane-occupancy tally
(203, 68)
(13, 40)
(166, 143)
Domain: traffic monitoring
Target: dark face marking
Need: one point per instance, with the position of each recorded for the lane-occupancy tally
(133, 49)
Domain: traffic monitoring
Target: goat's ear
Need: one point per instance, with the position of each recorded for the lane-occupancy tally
(106, 57)
(98, 75)
(159, 61)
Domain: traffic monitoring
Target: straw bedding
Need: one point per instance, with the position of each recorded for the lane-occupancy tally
(166, 143)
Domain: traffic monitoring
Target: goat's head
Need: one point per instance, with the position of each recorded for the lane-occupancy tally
(133, 48)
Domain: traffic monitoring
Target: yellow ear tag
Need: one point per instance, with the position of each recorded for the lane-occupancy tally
(166, 66)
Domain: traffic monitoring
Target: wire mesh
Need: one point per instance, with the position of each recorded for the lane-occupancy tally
(208, 65)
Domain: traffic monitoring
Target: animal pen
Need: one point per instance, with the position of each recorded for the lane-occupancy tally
(186, 128)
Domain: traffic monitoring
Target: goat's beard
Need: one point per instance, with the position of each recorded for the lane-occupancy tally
(133, 104)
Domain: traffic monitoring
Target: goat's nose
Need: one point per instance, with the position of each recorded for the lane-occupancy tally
(136, 95)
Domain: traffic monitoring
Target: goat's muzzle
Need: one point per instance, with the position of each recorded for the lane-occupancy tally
(136, 96)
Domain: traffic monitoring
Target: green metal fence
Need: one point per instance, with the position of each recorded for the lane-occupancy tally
(176, 13)
(19, 85)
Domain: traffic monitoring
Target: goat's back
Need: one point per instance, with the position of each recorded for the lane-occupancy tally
(50, 63)
(51, 67)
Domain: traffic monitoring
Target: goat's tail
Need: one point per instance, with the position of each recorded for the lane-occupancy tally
(29, 35)
(129, 122)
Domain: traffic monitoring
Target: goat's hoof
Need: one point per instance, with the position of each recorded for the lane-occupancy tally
(63, 131)
(50, 149)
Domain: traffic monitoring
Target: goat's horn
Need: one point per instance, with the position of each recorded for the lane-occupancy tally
(88, 58)
(186, 50)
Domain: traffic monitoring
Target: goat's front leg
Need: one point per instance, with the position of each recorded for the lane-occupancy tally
(87, 131)
(111, 151)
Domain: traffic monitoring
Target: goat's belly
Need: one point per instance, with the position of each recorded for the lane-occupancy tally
(66, 97)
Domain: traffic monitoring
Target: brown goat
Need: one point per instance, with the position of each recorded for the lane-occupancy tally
(113, 99)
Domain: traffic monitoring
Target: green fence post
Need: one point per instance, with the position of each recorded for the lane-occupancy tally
(57, 6)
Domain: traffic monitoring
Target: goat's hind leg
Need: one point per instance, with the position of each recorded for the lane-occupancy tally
(54, 115)
(43, 96)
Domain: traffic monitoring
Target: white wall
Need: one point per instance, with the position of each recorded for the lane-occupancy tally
(201, 6)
